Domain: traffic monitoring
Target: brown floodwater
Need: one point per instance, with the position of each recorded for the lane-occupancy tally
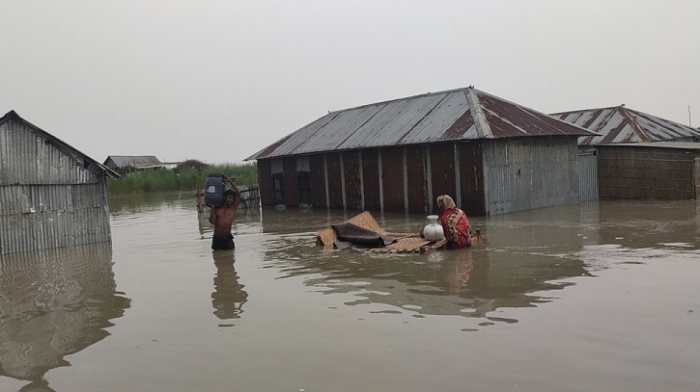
(600, 296)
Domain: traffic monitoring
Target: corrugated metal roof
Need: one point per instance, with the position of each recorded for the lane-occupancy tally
(135, 161)
(622, 125)
(669, 145)
(89, 163)
(453, 115)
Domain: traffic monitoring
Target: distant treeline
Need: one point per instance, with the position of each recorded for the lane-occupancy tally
(181, 179)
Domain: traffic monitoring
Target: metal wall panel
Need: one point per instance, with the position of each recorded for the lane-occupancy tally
(29, 159)
(318, 181)
(471, 171)
(36, 217)
(291, 182)
(442, 171)
(415, 166)
(528, 173)
(588, 175)
(392, 179)
(267, 193)
(353, 185)
(53, 229)
(335, 184)
(370, 179)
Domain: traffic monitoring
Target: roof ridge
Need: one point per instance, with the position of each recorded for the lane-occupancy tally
(404, 98)
(482, 125)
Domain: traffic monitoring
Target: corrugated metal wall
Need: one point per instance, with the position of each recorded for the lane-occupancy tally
(392, 179)
(415, 167)
(370, 179)
(335, 183)
(697, 178)
(527, 173)
(318, 181)
(291, 183)
(48, 199)
(442, 170)
(471, 179)
(588, 175)
(353, 185)
(37, 217)
(29, 159)
(267, 194)
(646, 173)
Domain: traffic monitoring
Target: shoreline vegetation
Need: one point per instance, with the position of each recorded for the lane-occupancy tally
(179, 179)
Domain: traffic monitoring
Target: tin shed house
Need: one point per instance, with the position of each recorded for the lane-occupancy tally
(51, 195)
(123, 164)
(493, 156)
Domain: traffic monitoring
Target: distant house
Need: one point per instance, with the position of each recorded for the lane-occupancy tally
(493, 156)
(620, 124)
(51, 195)
(129, 163)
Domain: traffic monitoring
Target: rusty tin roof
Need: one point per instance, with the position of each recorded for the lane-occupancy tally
(453, 115)
(622, 125)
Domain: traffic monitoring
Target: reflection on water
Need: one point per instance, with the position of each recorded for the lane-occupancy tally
(228, 296)
(52, 304)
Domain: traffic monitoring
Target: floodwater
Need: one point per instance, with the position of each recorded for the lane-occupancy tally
(601, 296)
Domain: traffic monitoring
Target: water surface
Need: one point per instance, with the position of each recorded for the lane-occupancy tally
(591, 296)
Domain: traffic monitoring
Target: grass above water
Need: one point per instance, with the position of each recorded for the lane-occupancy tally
(163, 180)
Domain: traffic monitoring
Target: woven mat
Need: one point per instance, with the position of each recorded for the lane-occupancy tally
(405, 242)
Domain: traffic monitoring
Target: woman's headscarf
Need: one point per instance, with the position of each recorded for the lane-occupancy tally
(445, 202)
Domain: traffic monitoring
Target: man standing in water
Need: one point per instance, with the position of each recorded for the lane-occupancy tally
(222, 217)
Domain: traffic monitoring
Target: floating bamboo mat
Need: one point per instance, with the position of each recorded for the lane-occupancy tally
(405, 242)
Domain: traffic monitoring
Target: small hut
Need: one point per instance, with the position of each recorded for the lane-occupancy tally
(124, 164)
(51, 195)
(492, 155)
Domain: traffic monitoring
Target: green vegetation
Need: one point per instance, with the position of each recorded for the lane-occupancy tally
(181, 179)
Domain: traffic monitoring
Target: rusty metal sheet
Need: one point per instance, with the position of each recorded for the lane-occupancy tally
(291, 182)
(620, 124)
(471, 171)
(370, 179)
(267, 194)
(392, 179)
(318, 181)
(442, 172)
(453, 115)
(415, 167)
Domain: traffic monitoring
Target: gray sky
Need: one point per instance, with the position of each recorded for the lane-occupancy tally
(218, 80)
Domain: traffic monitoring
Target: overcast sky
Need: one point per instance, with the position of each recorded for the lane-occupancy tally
(220, 80)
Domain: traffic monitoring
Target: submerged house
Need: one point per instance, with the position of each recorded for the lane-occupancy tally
(493, 156)
(640, 156)
(51, 195)
(129, 163)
